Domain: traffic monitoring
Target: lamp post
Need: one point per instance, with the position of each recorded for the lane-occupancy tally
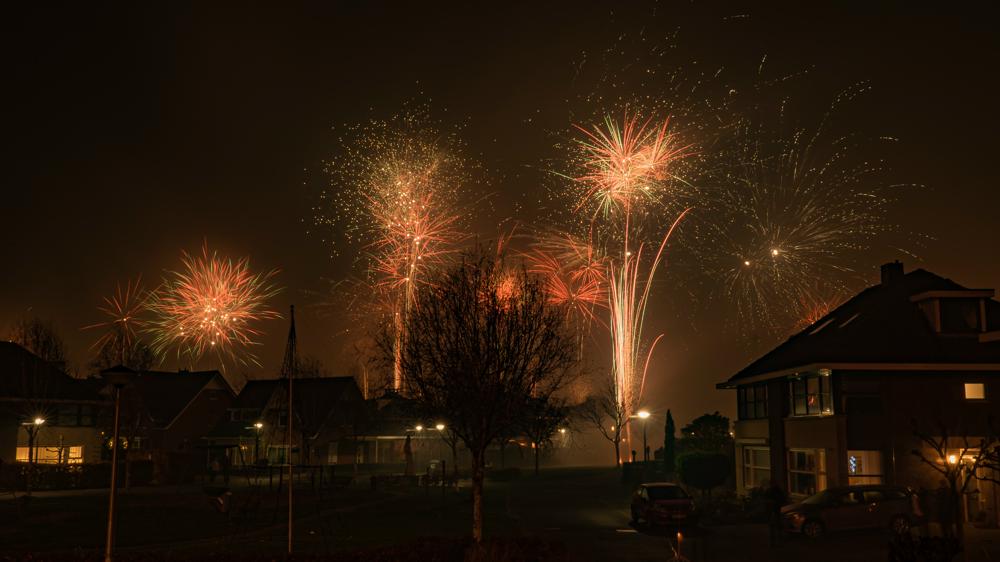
(644, 415)
(118, 377)
(32, 428)
(256, 441)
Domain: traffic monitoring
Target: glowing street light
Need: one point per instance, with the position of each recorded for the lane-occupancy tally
(439, 427)
(419, 428)
(952, 459)
(644, 415)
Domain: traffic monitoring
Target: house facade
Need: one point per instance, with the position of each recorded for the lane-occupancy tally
(43, 408)
(325, 423)
(843, 401)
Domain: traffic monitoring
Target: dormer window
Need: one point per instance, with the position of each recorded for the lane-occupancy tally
(960, 316)
(955, 312)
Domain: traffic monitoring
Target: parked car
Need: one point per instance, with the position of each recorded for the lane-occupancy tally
(853, 507)
(662, 503)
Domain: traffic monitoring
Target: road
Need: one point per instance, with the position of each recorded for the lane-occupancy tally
(581, 513)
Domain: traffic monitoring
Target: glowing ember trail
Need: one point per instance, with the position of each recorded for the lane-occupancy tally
(626, 168)
(397, 190)
(211, 306)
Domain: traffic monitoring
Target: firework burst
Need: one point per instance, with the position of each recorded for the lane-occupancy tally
(396, 191)
(795, 213)
(627, 171)
(123, 320)
(211, 306)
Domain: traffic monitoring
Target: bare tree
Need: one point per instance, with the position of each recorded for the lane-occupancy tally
(542, 420)
(960, 460)
(605, 412)
(481, 343)
(39, 337)
(139, 357)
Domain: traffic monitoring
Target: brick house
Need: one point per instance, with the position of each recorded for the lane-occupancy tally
(838, 403)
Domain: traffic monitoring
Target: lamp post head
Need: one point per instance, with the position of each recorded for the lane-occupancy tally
(643, 414)
(439, 427)
(419, 428)
(39, 421)
(952, 459)
(562, 430)
(258, 425)
(118, 376)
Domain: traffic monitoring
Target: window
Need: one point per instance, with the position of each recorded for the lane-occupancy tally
(960, 316)
(806, 471)
(52, 455)
(810, 395)
(276, 454)
(756, 466)
(752, 401)
(975, 391)
(864, 467)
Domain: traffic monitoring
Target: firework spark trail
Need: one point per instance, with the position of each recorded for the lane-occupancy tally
(396, 190)
(792, 209)
(123, 310)
(627, 172)
(211, 305)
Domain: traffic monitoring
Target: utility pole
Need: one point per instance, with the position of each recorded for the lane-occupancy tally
(288, 369)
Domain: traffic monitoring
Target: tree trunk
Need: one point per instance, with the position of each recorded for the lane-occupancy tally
(537, 448)
(454, 460)
(618, 454)
(477, 497)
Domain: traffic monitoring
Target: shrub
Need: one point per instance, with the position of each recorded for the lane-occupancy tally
(704, 471)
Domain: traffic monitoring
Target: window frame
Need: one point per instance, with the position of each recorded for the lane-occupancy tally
(749, 466)
(750, 403)
(810, 394)
(818, 472)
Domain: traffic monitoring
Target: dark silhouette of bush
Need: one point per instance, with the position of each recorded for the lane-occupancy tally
(704, 471)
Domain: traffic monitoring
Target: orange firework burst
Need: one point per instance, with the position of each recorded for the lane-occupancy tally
(573, 275)
(122, 311)
(625, 162)
(211, 306)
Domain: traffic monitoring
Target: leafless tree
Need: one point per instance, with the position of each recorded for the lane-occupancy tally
(606, 413)
(481, 343)
(960, 460)
(39, 337)
(139, 357)
(542, 420)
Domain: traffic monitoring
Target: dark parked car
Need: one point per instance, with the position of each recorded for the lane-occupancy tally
(661, 503)
(853, 507)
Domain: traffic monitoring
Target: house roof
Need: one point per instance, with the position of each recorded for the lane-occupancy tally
(25, 376)
(166, 394)
(881, 325)
(315, 399)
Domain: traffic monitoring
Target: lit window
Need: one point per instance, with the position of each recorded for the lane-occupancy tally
(975, 391)
(864, 467)
(51, 455)
(806, 471)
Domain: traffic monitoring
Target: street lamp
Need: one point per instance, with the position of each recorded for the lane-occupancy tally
(118, 377)
(256, 442)
(32, 428)
(439, 427)
(419, 428)
(644, 415)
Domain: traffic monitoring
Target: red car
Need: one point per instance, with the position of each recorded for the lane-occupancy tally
(662, 503)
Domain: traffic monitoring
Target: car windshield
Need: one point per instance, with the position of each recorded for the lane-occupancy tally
(666, 493)
(817, 499)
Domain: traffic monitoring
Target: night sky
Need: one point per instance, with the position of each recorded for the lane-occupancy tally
(139, 132)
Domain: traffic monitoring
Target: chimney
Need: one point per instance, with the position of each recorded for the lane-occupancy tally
(891, 272)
